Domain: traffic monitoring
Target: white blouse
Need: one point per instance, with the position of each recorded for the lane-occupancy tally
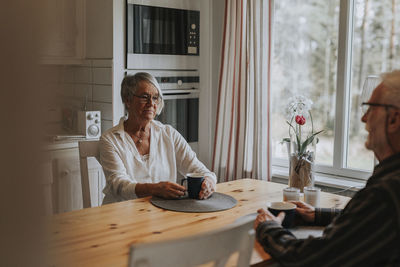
(124, 167)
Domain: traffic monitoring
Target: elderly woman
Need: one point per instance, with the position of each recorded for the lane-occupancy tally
(141, 156)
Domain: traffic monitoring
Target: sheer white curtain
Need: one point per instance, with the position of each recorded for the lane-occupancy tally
(242, 139)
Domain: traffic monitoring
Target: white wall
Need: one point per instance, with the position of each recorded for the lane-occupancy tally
(205, 101)
(75, 86)
(119, 57)
(218, 12)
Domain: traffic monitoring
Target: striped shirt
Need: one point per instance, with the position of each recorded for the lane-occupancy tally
(365, 233)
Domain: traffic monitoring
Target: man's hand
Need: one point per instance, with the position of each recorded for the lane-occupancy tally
(264, 215)
(306, 211)
(207, 188)
(168, 190)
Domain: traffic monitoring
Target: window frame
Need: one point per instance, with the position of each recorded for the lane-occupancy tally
(342, 106)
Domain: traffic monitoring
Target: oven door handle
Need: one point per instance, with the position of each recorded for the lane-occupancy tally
(183, 95)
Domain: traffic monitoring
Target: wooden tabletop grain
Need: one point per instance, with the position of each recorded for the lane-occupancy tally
(102, 236)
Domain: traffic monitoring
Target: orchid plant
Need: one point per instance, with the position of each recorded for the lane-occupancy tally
(297, 110)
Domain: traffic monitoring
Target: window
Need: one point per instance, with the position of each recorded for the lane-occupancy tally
(324, 50)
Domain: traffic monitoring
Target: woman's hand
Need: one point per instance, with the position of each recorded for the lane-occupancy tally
(207, 188)
(264, 215)
(306, 211)
(168, 190)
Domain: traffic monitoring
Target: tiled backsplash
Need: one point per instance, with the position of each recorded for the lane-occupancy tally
(78, 87)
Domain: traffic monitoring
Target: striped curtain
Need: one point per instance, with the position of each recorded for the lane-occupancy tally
(242, 134)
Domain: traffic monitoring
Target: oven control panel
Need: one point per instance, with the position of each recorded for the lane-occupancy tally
(176, 81)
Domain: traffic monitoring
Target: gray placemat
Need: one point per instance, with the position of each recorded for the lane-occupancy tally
(216, 202)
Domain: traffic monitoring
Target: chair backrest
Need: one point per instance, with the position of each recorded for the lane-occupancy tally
(87, 149)
(216, 246)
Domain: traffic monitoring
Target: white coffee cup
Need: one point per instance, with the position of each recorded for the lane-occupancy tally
(311, 195)
(291, 194)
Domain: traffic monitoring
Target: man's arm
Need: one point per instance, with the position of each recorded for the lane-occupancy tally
(309, 215)
(354, 237)
(324, 216)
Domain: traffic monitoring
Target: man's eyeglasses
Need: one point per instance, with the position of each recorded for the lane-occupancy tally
(146, 98)
(366, 106)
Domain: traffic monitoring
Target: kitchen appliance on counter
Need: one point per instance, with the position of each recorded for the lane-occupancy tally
(181, 102)
(163, 34)
(89, 124)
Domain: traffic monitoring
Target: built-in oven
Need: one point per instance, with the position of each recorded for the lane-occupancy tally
(181, 102)
(163, 34)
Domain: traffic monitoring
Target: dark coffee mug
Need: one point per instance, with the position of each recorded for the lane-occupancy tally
(288, 208)
(194, 182)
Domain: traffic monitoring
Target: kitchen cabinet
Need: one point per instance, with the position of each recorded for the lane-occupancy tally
(99, 29)
(66, 180)
(67, 192)
(46, 182)
(64, 31)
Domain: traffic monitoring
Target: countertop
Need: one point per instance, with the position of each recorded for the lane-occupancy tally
(65, 143)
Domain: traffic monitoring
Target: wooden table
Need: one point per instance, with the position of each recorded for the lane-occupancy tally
(102, 236)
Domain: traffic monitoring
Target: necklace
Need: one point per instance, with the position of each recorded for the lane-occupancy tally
(140, 137)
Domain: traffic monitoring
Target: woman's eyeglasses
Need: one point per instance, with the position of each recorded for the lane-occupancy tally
(365, 107)
(146, 98)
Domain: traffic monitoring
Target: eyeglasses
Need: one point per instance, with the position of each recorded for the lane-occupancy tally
(146, 98)
(365, 107)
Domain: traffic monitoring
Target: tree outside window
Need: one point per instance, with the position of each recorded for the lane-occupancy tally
(305, 61)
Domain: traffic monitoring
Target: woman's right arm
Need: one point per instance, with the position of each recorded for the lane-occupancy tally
(117, 178)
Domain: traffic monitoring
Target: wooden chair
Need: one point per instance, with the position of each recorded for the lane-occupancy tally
(216, 246)
(87, 149)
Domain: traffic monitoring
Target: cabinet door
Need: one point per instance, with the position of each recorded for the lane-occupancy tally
(67, 186)
(46, 183)
(64, 29)
(67, 180)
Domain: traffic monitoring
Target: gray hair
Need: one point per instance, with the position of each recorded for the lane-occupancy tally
(130, 84)
(391, 81)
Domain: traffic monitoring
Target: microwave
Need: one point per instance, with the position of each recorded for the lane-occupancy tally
(163, 34)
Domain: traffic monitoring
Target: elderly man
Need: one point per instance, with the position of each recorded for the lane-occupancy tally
(367, 231)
